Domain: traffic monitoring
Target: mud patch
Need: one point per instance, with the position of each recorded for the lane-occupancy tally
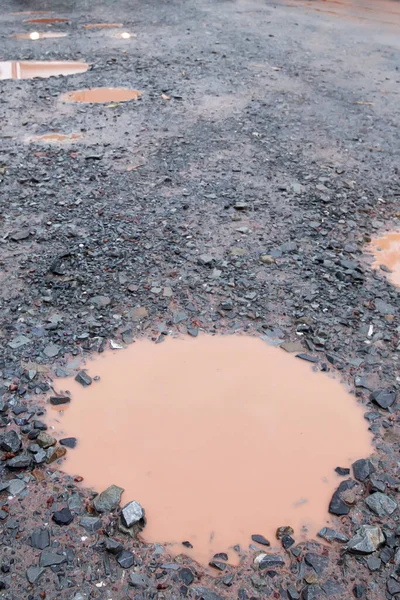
(54, 138)
(219, 438)
(35, 35)
(101, 95)
(36, 68)
(386, 251)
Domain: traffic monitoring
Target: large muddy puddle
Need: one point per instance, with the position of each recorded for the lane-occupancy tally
(386, 251)
(219, 438)
(27, 69)
(101, 95)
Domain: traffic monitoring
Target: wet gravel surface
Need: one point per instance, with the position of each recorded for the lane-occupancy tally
(238, 193)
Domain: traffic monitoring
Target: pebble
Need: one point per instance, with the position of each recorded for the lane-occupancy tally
(49, 558)
(362, 469)
(15, 487)
(91, 524)
(83, 378)
(260, 539)
(57, 400)
(383, 398)
(112, 546)
(138, 581)
(108, 500)
(33, 574)
(10, 441)
(186, 576)
(69, 442)
(40, 538)
(63, 516)
(367, 539)
(132, 513)
(125, 559)
(381, 504)
(331, 535)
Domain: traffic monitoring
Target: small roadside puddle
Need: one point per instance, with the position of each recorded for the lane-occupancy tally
(36, 35)
(101, 95)
(386, 251)
(27, 69)
(54, 138)
(219, 438)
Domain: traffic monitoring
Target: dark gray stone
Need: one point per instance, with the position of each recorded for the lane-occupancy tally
(312, 592)
(337, 506)
(260, 539)
(10, 441)
(83, 378)
(381, 504)
(16, 486)
(91, 524)
(33, 574)
(126, 559)
(49, 559)
(374, 563)
(269, 561)
(63, 516)
(69, 442)
(22, 461)
(331, 535)
(112, 546)
(57, 400)
(109, 499)
(186, 576)
(362, 469)
(40, 538)
(383, 398)
(292, 593)
(393, 586)
(203, 593)
(367, 539)
(318, 562)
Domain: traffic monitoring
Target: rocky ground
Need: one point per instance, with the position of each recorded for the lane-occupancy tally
(239, 193)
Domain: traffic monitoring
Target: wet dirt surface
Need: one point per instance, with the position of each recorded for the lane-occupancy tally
(29, 69)
(55, 138)
(103, 25)
(386, 251)
(101, 95)
(36, 35)
(213, 413)
(240, 194)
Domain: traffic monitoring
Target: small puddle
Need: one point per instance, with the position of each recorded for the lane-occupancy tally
(48, 20)
(103, 25)
(36, 35)
(218, 438)
(101, 95)
(386, 251)
(54, 138)
(35, 68)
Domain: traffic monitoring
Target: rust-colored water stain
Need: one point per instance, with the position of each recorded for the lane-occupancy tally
(54, 138)
(218, 438)
(26, 69)
(36, 35)
(101, 95)
(48, 20)
(386, 250)
(103, 25)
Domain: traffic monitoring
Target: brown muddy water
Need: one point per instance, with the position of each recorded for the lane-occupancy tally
(54, 138)
(217, 437)
(36, 35)
(386, 251)
(27, 69)
(101, 95)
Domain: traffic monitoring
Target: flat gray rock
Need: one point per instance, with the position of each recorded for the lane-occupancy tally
(16, 486)
(91, 524)
(367, 539)
(108, 500)
(33, 574)
(138, 581)
(381, 504)
(49, 559)
(40, 538)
